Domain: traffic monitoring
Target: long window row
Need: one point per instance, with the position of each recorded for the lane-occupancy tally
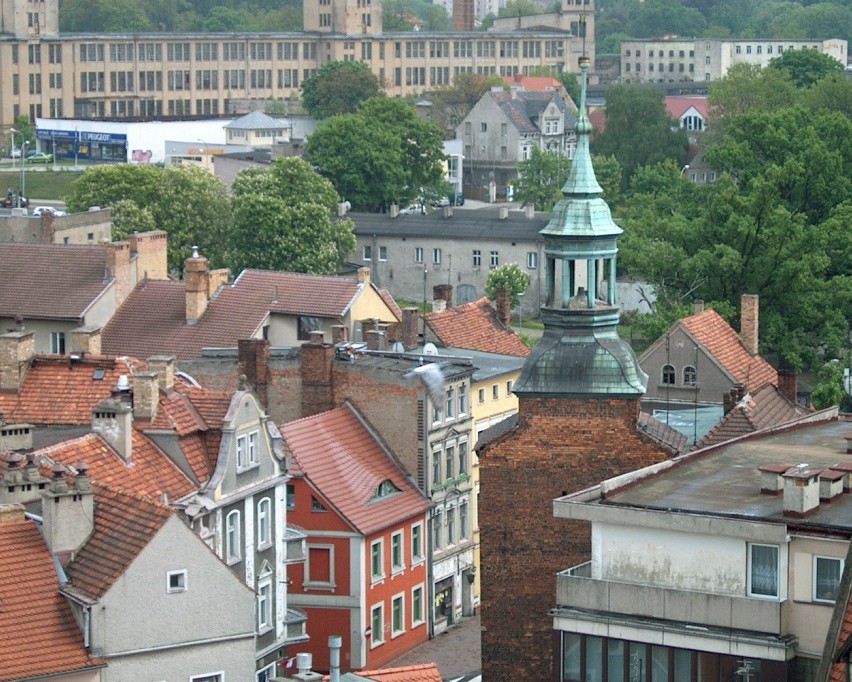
(234, 530)
(450, 525)
(401, 555)
(455, 404)
(451, 463)
(689, 376)
(404, 612)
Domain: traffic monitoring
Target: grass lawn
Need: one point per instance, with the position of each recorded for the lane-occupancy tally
(47, 184)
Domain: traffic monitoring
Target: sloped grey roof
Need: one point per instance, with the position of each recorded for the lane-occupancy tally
(256, 120)
(522, 107)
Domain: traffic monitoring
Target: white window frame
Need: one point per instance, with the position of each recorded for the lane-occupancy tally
(377, 638)
(450, 403)
(418, 254)
(242, 452)
(398, 599)
(183, 584)
(749, 588)
(264, 523)
(436, 256)
(377, 576)
(383, 253)
(481, 396)
(450, 519)
(57, 343)
(209, 677)
(464, 520)
(397, 552)
(817, 559)
(437, 531)
(532, 260)
(252, 448)
(233, 533)
(418, 619)
(495, 391)
(462, 393)
(264, 606)
(268, 670)
(494, 259)
(417, 531)
(367, 252)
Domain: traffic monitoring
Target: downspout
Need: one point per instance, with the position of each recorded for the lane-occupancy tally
(430, 582)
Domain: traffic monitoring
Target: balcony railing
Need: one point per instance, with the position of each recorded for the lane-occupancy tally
(451, 482)
(576, 589)
(295, 544)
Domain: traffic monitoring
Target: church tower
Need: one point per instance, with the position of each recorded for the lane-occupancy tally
(577, 424)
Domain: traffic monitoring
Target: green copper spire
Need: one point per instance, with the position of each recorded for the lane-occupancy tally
(581, 180)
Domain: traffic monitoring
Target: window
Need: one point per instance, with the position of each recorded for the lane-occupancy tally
(306, 326)
(436, 468)
(417, 606)
(495, 259)
(436, 412)
(397, 615)
(689, 375)
(383, 253)
(242, 452)
(57, 343)
(450, 403)
(450, 461)
(464, 522)
(377, 625)
(763, 571)
(252, 448)
(481, 396)
(316, 505)
(495, 392)
(367, 253)
(437, 535)
(291, 497)
(416, 543)
(483, 127)
(397, 563)
(418, 254)
(264, 523)
(436, 256)
(264, 606)
(208, 677)
(176, 581)
(451, 526)
(509, 387)
(377, 560)
(477, 258)
(462, 399)
(668, 375)
(532, 260)
(827, 572)
(462, 458)
(232, 537)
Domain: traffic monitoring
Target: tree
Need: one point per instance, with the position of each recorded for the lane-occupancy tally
(518, 8)
(382, 154)
(747, 87)
(571, 84)
(108, 16)
(283, 220)
(541, 178)
(338, 88)
(829, 389)
(806, 67)
(508, 276)
(660, 17)
(639, 131)
(450, 104)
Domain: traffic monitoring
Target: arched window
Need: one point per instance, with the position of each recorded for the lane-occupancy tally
(264, 522)
(668, 375)
(689, 375)
(232, 537)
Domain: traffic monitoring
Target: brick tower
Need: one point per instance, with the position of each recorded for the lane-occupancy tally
(577, 424)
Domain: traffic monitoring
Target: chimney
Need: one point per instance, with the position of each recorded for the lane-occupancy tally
(504, 212)
(394, 211)
(846, 469)
(16, 436)
(338, 334)
(151, 251)
(334, 644)
(195, 274)
(67, 513)
(364, 276)
(112, 420)
(443, 292)
(86, 340)
(317, 358)
(215, 279)
(17, 349)
(830, 484)
(146, 395)
(801, 490)
(303, 665)
(749, 322)
(254, 365)
(410, 320)
(48, 227)
(375, 340)
(788, 384)
(118, 268)
(504, 305)
(771, 481)
(10, 513)
(697, 307)
(530, 211)
(439, 305)
(164, 366)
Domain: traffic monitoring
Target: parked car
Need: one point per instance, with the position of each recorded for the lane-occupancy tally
(440, 202)
(413, 209)
(457, 199)
(40, 157)
(15, 153)
(38, 210)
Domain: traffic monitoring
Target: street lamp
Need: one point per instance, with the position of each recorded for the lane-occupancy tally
(12, 131)
(520, 310)
(21, 194)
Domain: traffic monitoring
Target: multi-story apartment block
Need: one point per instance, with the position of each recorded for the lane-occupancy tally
(157, 75)
(673, 60)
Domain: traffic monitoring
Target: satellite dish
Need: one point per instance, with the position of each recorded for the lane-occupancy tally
(397, 347)
(430, 349)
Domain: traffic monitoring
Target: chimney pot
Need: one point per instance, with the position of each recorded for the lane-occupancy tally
(749, 322)
(504, 305)
(801, 490)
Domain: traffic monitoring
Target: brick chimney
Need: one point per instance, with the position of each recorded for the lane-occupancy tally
(317, 358)
(68, 513)
(801, 490)
(788, 384)
(151, 251)
(146, 395)
(86, 340)
(112, 420)
(697, 307)
(10, 513)
(504, 305)
(749, 323)
(410, 324)
(376, 340)
(195, 274)
(118, 268)
(164, 366)
(254, 365)
(338, 334)
(48, 227)
(364, 276)
(17, 349)
(443, 292)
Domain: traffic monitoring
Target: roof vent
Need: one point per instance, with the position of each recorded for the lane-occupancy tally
(801, 490)
(830, 484)
(771, 481)
(846, 468)
(123, 383)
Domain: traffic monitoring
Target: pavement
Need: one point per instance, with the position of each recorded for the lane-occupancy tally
(457, 652)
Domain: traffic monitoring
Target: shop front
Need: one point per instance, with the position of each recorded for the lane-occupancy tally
(83, 145)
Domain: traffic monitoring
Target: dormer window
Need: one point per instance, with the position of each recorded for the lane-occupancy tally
(385, 489)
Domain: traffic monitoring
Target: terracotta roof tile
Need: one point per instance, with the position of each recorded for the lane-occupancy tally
(344, 461)
(672, 439)
(722, 342)
(152, 319)
(150, 473)
(51, 281)
(201, 460)
(475, 326)
(124, 525)
(424, 672)
(391, 303)
(39, 634)
(678, 106)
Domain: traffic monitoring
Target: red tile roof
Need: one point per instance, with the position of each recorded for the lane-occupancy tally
(391, 303)
(51, 281)
(55, 391)
(150, 473)
(424, 672)
(678, 106)
(153, 318)
(39, 634)
(124, 525)
(720, 340)
(340, 456)
(765, 408)
(475, 326)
